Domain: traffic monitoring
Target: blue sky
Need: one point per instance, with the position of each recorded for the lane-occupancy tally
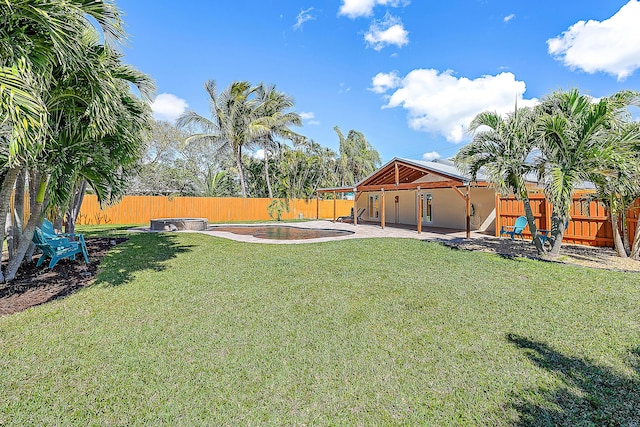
(408, 74)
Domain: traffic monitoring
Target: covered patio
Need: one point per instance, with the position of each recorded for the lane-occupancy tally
(401, 178)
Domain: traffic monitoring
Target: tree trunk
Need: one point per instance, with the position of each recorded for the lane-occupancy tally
(617, 238)
(266, 172)
(18, 205)
(8, 231)
(74, 209)
(532, 226)
(27, 236)
(635, 248)
(243, 187)
(625, 230)
(5, 202)
(32, 202)
(558, 222)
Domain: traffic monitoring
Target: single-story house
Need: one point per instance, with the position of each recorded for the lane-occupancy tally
(421, 193)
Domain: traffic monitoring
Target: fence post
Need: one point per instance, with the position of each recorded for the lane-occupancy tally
(498, 203)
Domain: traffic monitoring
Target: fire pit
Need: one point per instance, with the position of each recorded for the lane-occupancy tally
(178, 224)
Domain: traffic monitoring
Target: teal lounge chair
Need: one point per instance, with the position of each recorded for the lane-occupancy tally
(58, 248)
(516, 229)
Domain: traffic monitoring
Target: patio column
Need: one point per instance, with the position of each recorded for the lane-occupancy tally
(355, 207)
(419, 216)
(382, 208)
(468, 197)
(334, 205)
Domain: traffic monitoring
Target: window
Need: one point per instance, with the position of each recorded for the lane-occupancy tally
(374, 207)
(426, 208)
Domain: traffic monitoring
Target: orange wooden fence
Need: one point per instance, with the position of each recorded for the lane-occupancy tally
(141, 209)
(589, 225)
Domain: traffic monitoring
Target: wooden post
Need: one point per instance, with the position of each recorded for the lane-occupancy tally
(334, 206)
(317, 205)
(419, 210)
(355, 207)
(382, 208)
(397, 174)
(498, 203)
(468, 198)
(547, 214)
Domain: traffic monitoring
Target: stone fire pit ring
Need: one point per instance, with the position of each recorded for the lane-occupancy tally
(179, 224)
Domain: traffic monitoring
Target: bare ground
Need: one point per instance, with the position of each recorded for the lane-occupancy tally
(38, 285)
(586, 256)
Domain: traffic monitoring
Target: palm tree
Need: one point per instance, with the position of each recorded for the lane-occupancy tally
(272, 115)
(37, 38)
(618, 183)
(358, 159)
(502, 148)
(576, 146)
(233, 122)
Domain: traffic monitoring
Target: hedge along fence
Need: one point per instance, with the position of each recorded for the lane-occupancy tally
(141, 209)
(590, 223)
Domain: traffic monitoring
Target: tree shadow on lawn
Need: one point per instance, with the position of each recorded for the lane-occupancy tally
(589, 395)
(143, 251)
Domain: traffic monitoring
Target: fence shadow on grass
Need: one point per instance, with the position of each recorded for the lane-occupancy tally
(589, 394)
(143, 251)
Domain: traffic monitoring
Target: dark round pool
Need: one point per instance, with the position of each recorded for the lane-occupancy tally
(280, 232)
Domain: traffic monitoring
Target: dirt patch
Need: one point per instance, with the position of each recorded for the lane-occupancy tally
(38, 285)
(586, 256)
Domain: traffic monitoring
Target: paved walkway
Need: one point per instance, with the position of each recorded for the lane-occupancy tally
(360, 231)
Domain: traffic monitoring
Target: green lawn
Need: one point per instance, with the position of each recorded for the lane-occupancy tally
(187, 329)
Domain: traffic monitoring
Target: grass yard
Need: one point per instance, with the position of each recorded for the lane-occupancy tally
(187, 329)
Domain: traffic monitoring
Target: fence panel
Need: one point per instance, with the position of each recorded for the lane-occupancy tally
(589, 225)
(141, 209)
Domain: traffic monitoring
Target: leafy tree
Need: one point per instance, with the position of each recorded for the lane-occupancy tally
(502, 149)
(233, 124)
(78, 83)
(576, 146)
(273, 116)
(358, 159)
(305, 168)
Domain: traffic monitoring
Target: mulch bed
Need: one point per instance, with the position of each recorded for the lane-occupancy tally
(585, 256)
(38, 285)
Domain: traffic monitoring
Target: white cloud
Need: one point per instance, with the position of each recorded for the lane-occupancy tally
(442, 103)
(388, 31)
(303, 17)
(509, 17)
(357, 8)
(431, 156)
(309, 117)
(168, 107)
(611, 46)
(382, 82)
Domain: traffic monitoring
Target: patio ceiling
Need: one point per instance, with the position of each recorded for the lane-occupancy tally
(401, 175)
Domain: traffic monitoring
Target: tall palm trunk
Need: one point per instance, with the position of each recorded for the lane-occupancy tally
(27, 235)
(558, 222)
(243, 186)
(266, 172)
(74, 209)
(5, 203)
(617, 238)
(635, 247)
(532, 226)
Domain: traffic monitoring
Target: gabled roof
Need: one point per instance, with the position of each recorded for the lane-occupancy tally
(400, 173)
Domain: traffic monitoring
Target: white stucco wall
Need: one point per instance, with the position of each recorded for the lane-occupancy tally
(448, 208)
